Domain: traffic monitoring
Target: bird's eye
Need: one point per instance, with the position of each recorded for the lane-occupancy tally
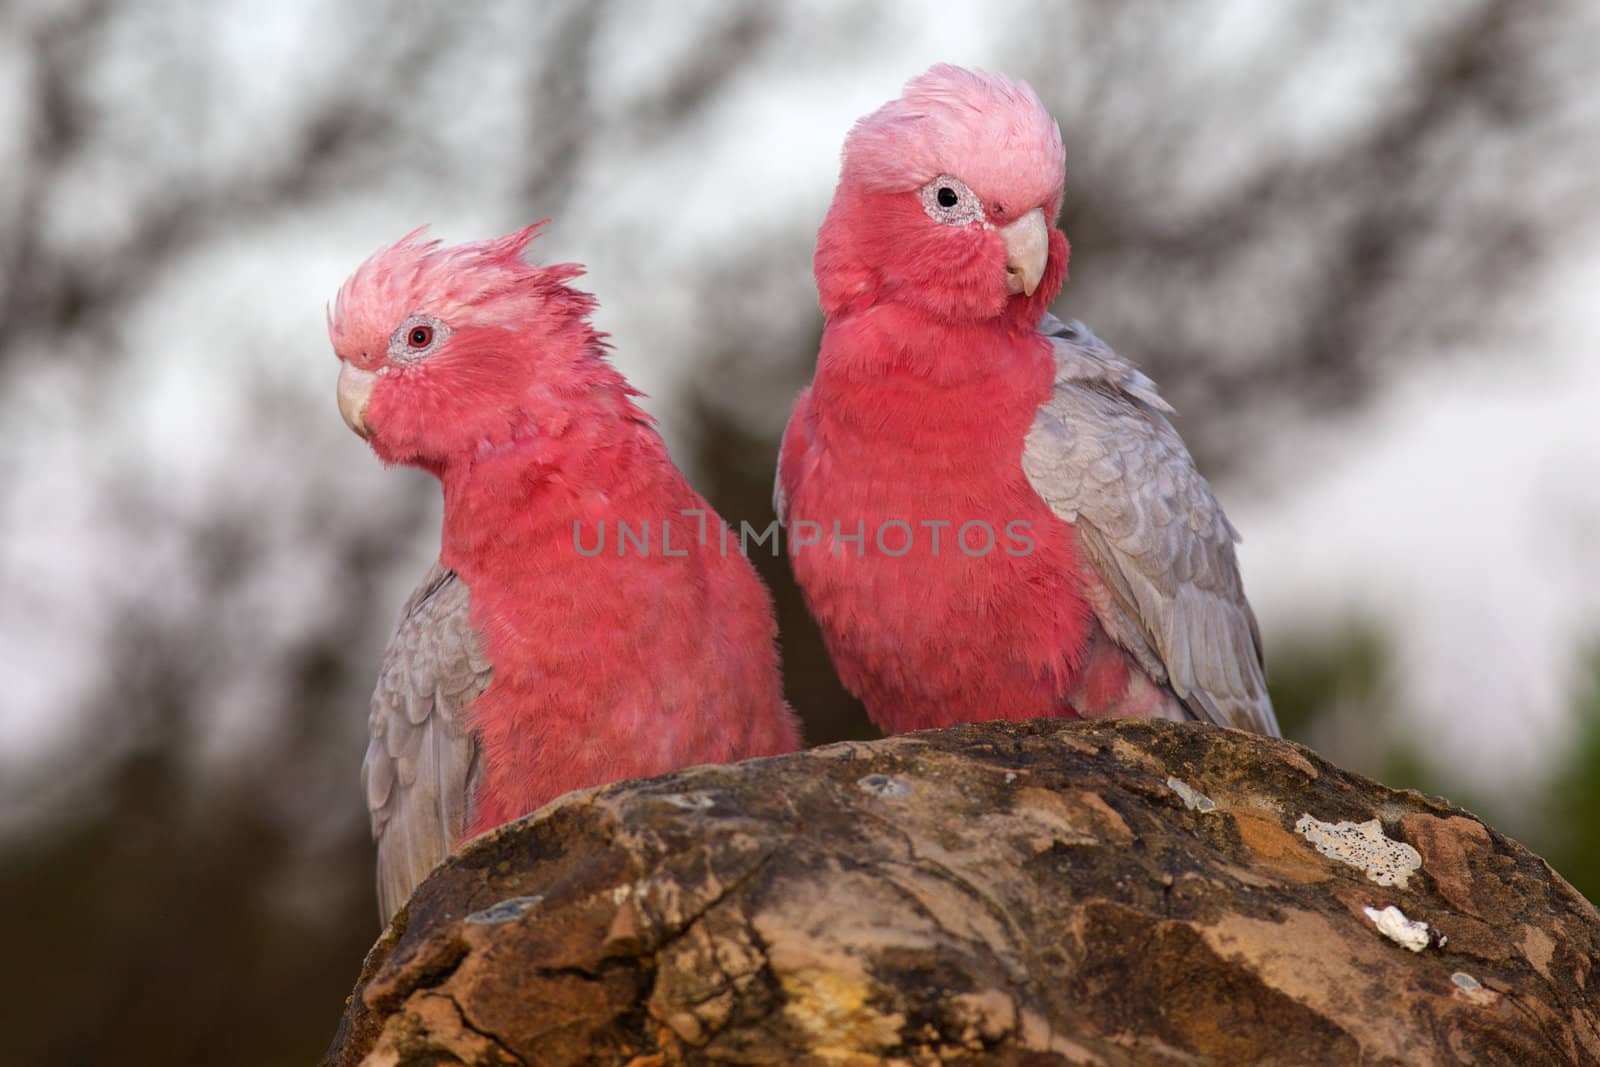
(416, 338)
(949, 202)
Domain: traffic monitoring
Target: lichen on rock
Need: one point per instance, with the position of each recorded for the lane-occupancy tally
(1407, 933)
(1008, 893)
(1362, 845)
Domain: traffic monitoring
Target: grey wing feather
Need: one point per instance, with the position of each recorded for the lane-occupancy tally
(1103, 456)
(780, 499)
(422, 765)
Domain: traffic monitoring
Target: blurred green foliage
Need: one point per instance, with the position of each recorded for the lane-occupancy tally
(158, 924)
(1335, 692)
(1568, 829)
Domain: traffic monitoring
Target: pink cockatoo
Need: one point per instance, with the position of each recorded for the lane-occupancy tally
(547, 650)
(988, 511)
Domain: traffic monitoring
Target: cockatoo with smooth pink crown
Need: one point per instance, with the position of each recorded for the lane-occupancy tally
(989, 511)
(530, 662)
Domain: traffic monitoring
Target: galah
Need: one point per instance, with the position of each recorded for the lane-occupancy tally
(987, 509)
(584, 622)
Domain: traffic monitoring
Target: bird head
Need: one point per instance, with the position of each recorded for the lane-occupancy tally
(947, 200)
(450, 351)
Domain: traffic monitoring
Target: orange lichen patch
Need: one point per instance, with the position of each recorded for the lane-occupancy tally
(654, 1059)
(1050, 820)
(1587, 1029)
(1354, 898)
(1297, 957)
(431, 1022)
(1277, 848)
(1299, 763)
(1102, 819)
(1451, 849)
(1127, 753)
(1072, 740)
(1538, 948)
(1245, 876)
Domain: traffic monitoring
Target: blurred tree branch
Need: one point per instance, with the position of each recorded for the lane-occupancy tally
(1404, 252)
(50, 288)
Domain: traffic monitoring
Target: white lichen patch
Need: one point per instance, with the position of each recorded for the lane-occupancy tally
(884, 785)
(1470, 989)
(1363, 845)
(689, 801)
(1393, 924)
(1193, 799)
(505, 911)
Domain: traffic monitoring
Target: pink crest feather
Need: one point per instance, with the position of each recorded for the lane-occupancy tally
(477, 283)
(991, 132)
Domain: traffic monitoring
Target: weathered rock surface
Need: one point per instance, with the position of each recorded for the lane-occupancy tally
(1037, 893)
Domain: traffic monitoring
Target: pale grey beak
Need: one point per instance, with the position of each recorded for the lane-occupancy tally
(355, 389)
(1027, 248)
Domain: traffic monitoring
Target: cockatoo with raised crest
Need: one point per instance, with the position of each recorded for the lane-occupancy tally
(529, 662)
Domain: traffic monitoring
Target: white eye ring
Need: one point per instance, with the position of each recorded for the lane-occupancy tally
(417, 338)
(949, 202)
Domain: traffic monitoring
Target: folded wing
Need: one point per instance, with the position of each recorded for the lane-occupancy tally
(1103, 456)
(422, 765)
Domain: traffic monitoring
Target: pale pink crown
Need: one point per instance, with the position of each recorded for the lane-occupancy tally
(989, 131)
(474, 284)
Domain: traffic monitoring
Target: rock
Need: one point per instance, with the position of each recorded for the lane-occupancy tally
(1038, 893)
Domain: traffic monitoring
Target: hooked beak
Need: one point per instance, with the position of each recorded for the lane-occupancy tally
(355, 389)
(1027, 247)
